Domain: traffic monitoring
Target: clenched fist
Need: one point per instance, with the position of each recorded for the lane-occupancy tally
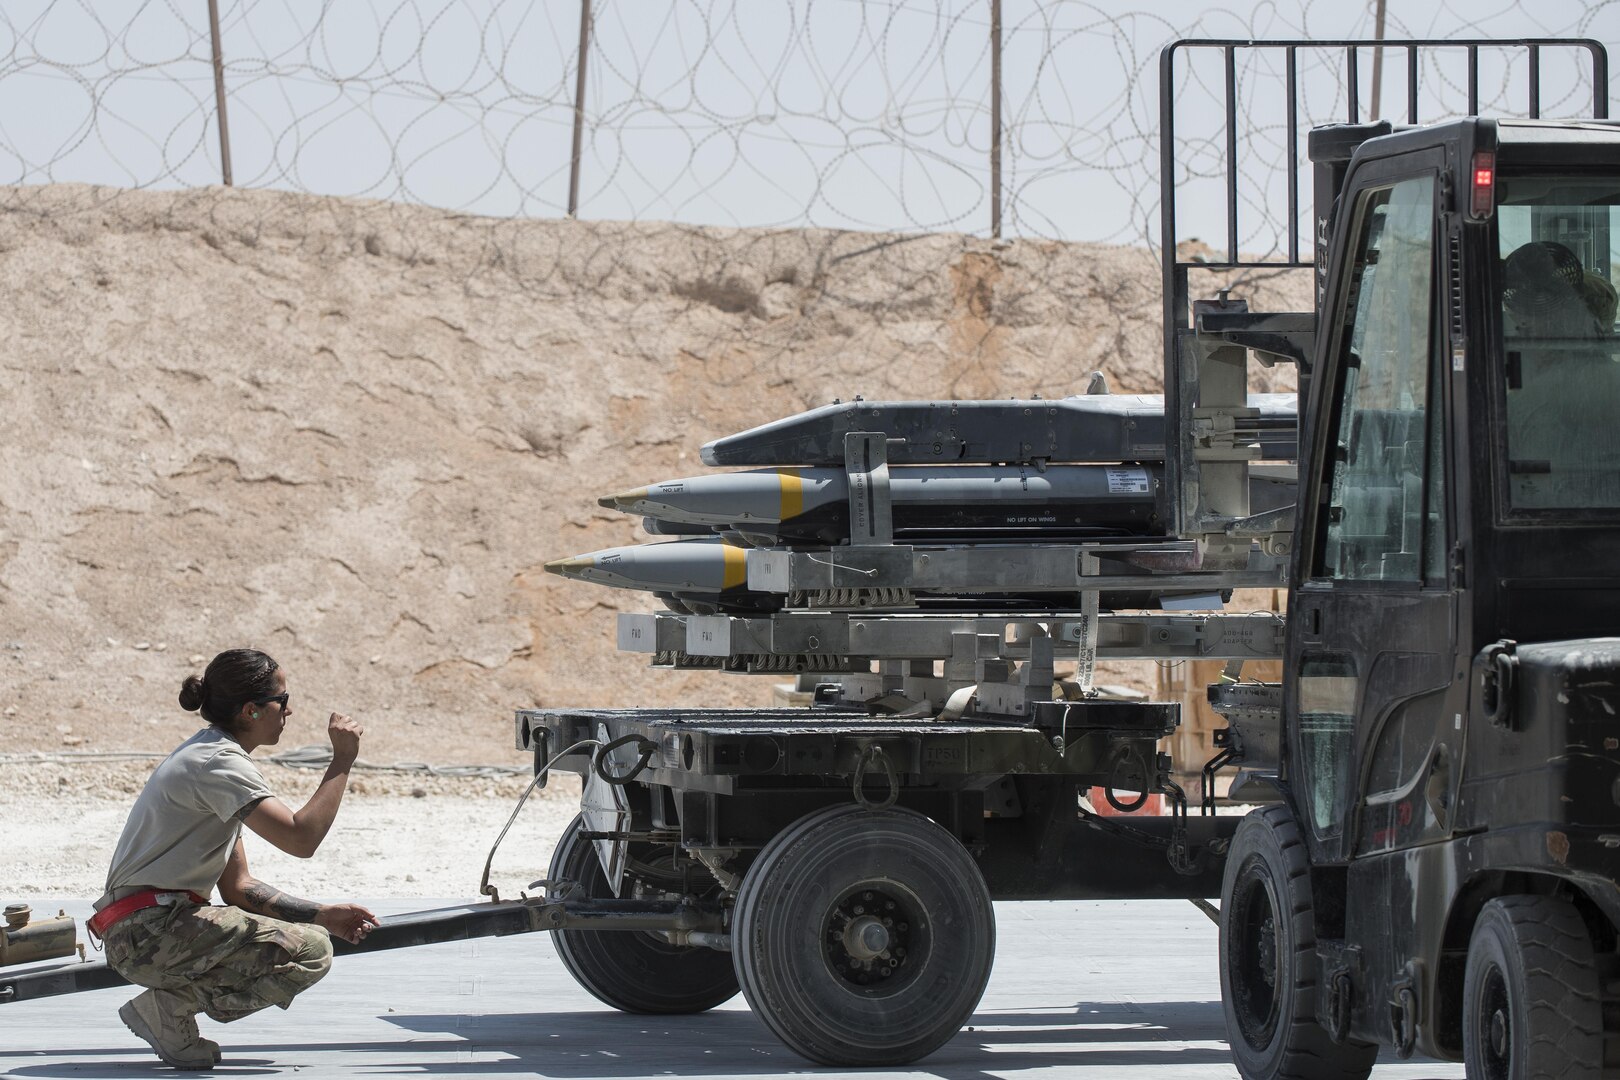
(345, 732)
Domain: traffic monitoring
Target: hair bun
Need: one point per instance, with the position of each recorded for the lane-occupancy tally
(191, 693)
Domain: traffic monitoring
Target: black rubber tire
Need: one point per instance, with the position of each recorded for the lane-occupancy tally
(633, 971)
(1268, 959)
(1531, 1002)
(823, 1000)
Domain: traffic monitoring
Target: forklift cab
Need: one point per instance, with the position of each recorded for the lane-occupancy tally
(1452, 705)
(1466, 485)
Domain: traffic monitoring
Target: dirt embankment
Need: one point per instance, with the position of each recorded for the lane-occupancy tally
(350, 433)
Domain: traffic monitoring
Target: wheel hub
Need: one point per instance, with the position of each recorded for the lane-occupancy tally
(1255, 956)
(1267, 945)
(1494, 1025)
(868, 938)
(1499, 1034)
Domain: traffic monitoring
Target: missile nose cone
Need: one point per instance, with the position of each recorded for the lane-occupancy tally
(623, 500)
(569, 567)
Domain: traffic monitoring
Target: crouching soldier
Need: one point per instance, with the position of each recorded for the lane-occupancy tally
(183, 838)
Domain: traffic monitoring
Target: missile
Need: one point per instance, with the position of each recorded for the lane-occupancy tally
(1089, 428)
(701, 565)
(959, 502)
(695, 573)
(709, 576)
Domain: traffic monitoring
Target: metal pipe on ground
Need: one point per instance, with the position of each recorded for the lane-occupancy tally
(459, 923)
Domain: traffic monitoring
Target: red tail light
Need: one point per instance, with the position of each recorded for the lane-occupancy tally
(1482, 188)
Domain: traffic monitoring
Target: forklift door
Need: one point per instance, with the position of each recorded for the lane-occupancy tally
(1372, 633)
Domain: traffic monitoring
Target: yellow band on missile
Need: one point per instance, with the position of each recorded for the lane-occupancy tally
(792, 503)
(735, 575)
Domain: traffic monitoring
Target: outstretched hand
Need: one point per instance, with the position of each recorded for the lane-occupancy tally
(351, 922)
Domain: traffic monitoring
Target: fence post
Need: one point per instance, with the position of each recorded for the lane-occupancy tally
(579, 106)
(995, 119)
(1378, 62)
(219, 92)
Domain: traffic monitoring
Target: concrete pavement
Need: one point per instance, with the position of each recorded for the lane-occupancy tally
(1094, 989)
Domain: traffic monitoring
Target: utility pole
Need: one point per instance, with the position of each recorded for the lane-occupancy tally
(1378, 60)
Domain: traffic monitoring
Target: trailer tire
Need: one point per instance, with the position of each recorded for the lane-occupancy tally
(633, 971)
(864, 937)
(1268, 959)
(1531, 1001)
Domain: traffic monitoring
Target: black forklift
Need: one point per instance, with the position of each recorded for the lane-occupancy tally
(1434, 868)
(1439, 875)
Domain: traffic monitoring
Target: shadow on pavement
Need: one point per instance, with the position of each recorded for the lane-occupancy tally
(1113, 1035)
(721, 1042)
(732, 1039)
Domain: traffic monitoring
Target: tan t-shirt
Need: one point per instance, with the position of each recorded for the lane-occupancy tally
(186, 820)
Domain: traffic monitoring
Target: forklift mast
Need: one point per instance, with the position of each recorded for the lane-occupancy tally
(1207, 340)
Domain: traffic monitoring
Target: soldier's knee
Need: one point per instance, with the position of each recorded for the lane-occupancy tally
(318, 953)
(310, 953)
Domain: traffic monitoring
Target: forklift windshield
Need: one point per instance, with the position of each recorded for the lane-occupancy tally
(1561, 359)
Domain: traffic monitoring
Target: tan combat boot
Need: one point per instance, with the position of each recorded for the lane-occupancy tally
(156, 1018)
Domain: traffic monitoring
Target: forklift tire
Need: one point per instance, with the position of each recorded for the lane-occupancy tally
(1268, 959)
(633, 971)
(1531, 1001)
(864, 937)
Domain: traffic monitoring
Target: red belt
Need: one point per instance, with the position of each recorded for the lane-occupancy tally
(103, 920)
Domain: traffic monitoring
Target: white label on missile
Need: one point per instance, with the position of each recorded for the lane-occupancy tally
(1124, 480)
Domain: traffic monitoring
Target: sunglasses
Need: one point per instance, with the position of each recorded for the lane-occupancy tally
(279, 699)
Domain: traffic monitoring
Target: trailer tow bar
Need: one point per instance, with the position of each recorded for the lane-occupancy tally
(687, 922)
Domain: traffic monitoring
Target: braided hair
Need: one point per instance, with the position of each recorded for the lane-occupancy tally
(234, 678)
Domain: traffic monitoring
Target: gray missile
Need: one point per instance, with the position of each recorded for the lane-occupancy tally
(967, 502)
(702, 565)
(701, 575)
(1091, 428)
(709, 576)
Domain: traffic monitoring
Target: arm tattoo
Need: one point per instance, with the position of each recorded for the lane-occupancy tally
(271, 901)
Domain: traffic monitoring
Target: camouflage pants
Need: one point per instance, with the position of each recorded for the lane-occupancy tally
(222, 961)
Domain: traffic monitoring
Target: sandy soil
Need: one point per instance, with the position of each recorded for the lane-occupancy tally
(349, 433)
(62, 820)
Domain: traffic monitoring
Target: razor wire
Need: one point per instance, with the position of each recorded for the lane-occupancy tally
(870, 115)
(787, 199)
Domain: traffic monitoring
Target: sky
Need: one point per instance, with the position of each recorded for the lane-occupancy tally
(869, 114)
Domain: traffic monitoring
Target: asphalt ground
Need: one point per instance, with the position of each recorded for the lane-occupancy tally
(1094, 989)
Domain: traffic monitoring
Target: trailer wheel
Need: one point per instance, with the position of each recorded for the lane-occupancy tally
(633, 971)
(1531, 1002)
(1268, 959)
(864, 937)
